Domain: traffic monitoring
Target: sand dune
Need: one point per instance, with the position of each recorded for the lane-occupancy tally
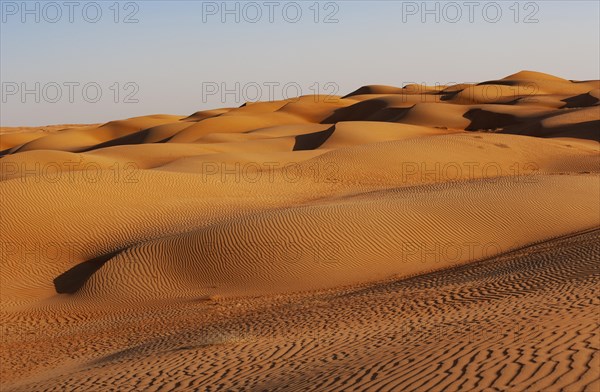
(521, 321)
(462, 201)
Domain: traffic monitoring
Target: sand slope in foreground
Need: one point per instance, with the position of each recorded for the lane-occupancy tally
(523, 321)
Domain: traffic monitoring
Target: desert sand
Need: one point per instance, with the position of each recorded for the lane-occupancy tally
(421, 238)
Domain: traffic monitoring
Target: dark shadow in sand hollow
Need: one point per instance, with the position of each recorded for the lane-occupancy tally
(74, 279)
(312, 141)
(360, 111)
(580, 101)
(484, 119)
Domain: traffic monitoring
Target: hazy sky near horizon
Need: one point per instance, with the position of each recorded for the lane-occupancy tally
(85, 64)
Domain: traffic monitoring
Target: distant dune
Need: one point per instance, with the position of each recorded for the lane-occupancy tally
(464, 200)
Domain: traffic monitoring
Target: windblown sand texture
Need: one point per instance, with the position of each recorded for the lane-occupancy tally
(411, 239)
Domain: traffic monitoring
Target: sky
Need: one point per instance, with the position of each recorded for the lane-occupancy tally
(69, 62)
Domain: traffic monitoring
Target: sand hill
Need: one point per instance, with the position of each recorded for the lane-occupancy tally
(291, 245)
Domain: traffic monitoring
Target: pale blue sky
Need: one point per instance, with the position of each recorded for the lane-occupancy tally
(171, 51)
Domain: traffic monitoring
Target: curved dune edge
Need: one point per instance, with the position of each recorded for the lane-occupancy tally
(520, 321)
(294, 195)
(237, 247)
(399, 232)
(214, 236)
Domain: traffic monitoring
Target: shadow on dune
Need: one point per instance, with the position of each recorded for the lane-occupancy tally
(312, 141)
(360, 111)
(589, 130)
(449, 96)
(74, 279)
(134, 138)
(371, 110)
(580, 101)
(376, 89)
(484, 119)
(390, 114)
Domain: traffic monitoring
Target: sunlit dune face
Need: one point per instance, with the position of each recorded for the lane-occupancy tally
(140, 246)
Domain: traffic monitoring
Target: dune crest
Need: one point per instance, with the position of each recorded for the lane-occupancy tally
(220, 187)
(455, 194)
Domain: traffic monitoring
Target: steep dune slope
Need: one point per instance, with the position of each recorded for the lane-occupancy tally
(166, 224)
